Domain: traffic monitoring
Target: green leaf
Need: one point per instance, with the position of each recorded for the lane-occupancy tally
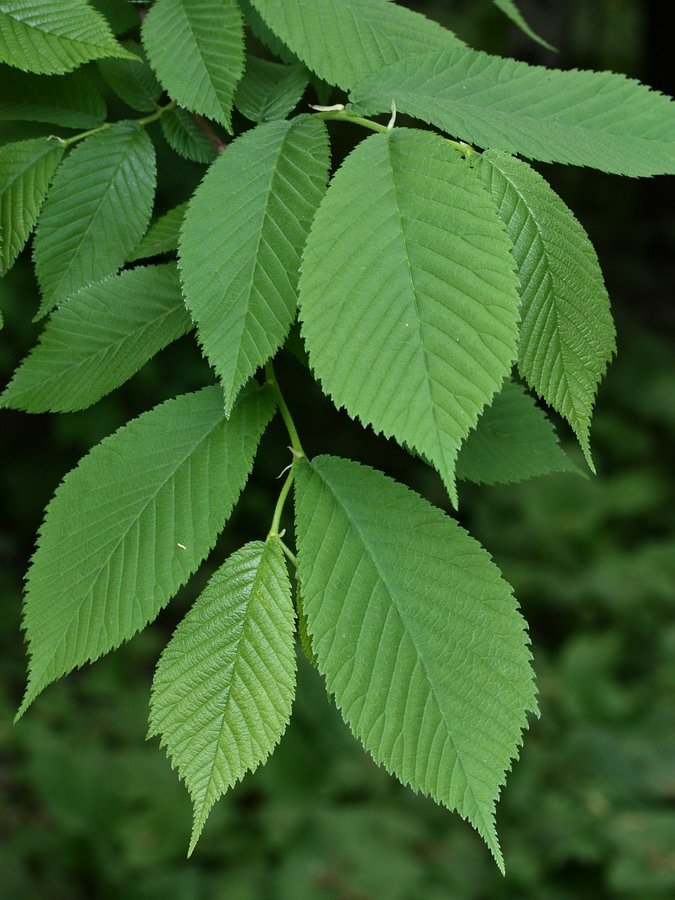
(196, 47)
(418, 636)
(68, 100)
(183, 134)
(26, 169)
(132, 80)
(162, 236)
(240, 270)
(594, 119)
(98, 339)
(256, 25)
(509, 8)
(224, 685)
(51, 37)
(269, 90)
(121, 14)
(343, 41)
(408, 297)
(566, 333)
(96, 212)
(513, 440)
(129, 525)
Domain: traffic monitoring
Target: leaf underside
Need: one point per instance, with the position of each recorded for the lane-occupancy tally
(129, 525)
(224, 685)
(418, 636)
(414, 329)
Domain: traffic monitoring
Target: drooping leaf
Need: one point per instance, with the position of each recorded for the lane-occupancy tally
(69, 100)
(96, 211)
(130, 524)
(567, 332)
(132, 80)
(224, 685)
(408, 296)
(51, 37)
(26, 169)
(269, 90)
(162, 236)
(196, 47)
(98, 339)
(598, 119)
(183, 134)
(513, 440)
(343, 41)
(509, 8)
(418, 636)
(240, 270)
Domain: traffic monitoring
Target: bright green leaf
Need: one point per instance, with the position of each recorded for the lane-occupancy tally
(240, 270)
(509, 8)
(26, 169)
(132, 79)
(418, 636)
(408, 296)
(343, 41)
(183, 134)
(162, 236)
(96, 212)
(594, 119)
(129, 525)
(196, 47)
(51, 37)
(224, 685)
(69, 100)
(98, 339)
(269, 90)
(566, 333)
(513, 440)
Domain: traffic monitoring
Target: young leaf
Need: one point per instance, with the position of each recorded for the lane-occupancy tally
(343, 41)
(132, 80)
(513, 440)
(241, 242)
(418, 636)
(407, 295)
(224, 685)
(185, 136)
(69, 100)
(509, 8)
(98, 339)
(51, 37)
(130, 524)
(597, 119)
(196, 47)
(26, 169)
(96, 212)
(162, 236)
(566, 333)
(269, 90)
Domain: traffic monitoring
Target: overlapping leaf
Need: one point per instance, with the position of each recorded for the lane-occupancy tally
(162, 236)
(566, 333)
(96, 212)
(240, 270)
(51, 37)
(343, 41)
(269, 90)
(408, 295)
(196, 47)
(26, 169)
(509, 8)
(129, 525)
(513, 440)
(70, 100)
(183, 134)
(132, 80)
(98, 339)
(222, 692)
(594, 119)
(418, 636)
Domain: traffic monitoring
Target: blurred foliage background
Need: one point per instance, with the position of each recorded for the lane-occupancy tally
(89, 810)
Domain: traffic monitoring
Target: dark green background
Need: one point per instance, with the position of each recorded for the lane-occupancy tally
(89, 810)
